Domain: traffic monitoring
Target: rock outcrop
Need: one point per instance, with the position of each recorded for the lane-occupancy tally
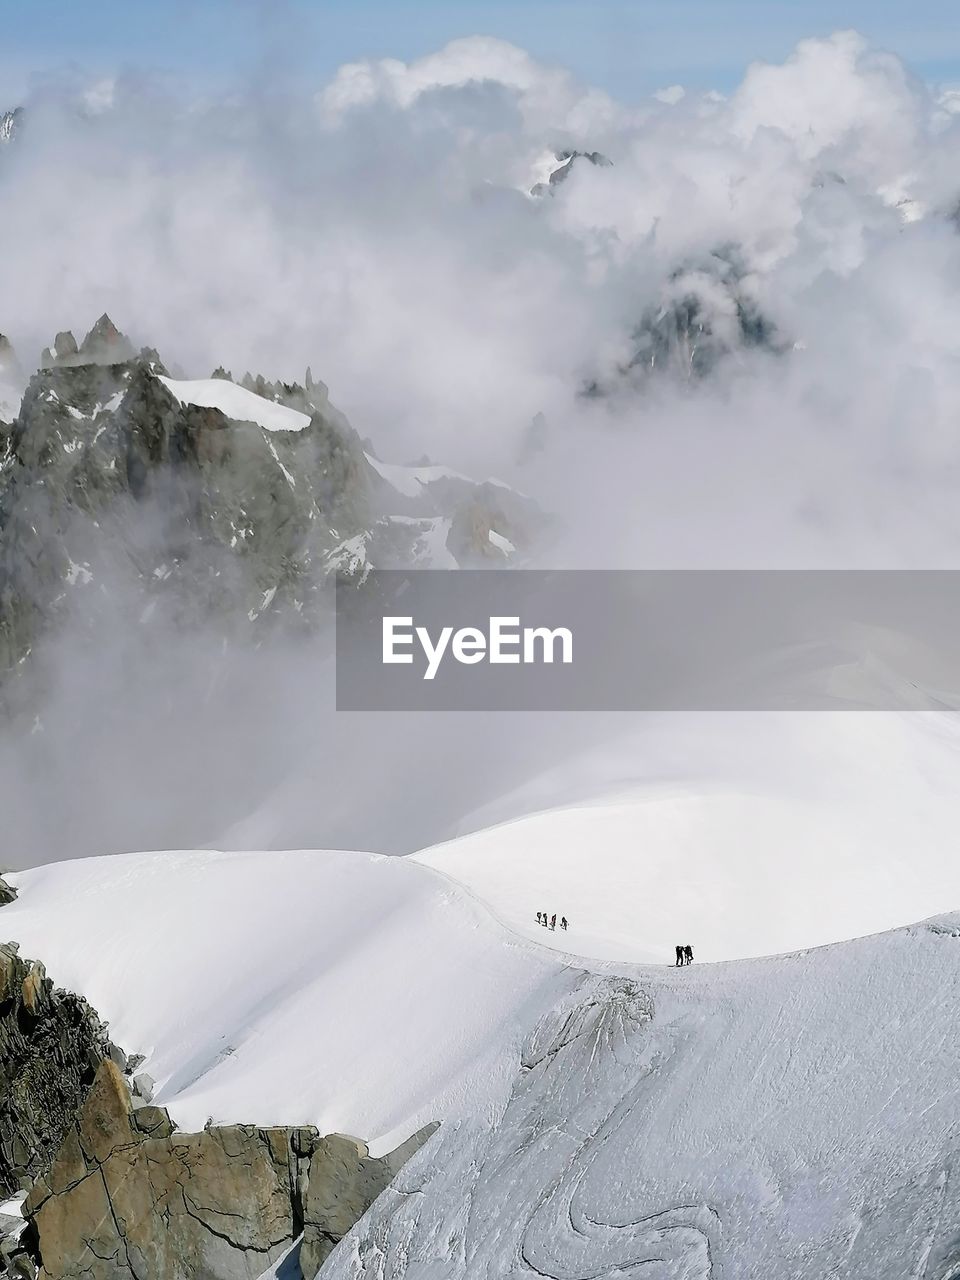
(104, 344)
(51, 1043)
(707, 314)
(130, 1198)
(122, 494)
(565, 161)
(10, 122)
(110, 484)
(343, 1183)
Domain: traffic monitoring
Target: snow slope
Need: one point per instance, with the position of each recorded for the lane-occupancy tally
(290, 988)
(794, 1117)
(411, 481)
(237, 403)
(742, 836)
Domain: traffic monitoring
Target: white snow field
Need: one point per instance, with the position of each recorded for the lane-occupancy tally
(743, 836)
(787, 1117)
(237, 402)
(795, 1117)
(358, 993)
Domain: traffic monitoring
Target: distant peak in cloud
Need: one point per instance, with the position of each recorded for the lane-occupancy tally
(386, 228)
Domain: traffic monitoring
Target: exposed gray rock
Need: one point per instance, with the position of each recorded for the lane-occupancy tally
(143, 1087)
(181, 509)
(20, 1266)
(706, 314)
(153, 1121)
(485, 526)
(64, 351)
(105, 344)
(8, 893)
(10, 122)
(129, 1198)
(51, 1043)
(565, 163)
(10, 369)
(118, 499)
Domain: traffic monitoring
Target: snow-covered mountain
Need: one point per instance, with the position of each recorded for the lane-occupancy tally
(792, 1115)
(707, 312)
(555, 167)
(190, 500)
(732, 340)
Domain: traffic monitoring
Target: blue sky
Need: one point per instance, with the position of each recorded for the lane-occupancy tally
(626, 46)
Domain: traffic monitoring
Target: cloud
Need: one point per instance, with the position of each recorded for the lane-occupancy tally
(547, 98)
(380, 229)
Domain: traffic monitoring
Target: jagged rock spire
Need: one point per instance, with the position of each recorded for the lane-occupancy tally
(65, 345)
(63, 351)
(9, 364)
(105, 344)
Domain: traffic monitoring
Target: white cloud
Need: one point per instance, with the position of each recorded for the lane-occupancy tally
(380, 233)
(547, 98)
(830, 92)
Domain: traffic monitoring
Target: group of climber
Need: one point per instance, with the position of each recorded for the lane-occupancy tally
(685, 954)
(550, 922)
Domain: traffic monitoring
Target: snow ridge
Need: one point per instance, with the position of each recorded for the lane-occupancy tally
(237, 403)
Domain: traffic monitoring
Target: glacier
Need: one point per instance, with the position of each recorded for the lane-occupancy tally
(792, 1115)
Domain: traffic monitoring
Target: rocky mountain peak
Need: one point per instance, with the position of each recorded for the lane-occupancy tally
(209, 501)
(561, 166)
(707, 313)
(105, 344)
(9, 364)
(10, 122)
(64, 350)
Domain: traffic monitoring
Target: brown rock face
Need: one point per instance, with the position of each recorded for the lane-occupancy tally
(31, 989)
(344, 1182)
(105, 1115)
(128, 1198)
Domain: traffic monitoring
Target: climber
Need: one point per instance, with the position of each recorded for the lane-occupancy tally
(688, 953)
(563, 922)
(680, 955)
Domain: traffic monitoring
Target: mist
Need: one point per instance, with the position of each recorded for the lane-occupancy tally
(381, 229)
